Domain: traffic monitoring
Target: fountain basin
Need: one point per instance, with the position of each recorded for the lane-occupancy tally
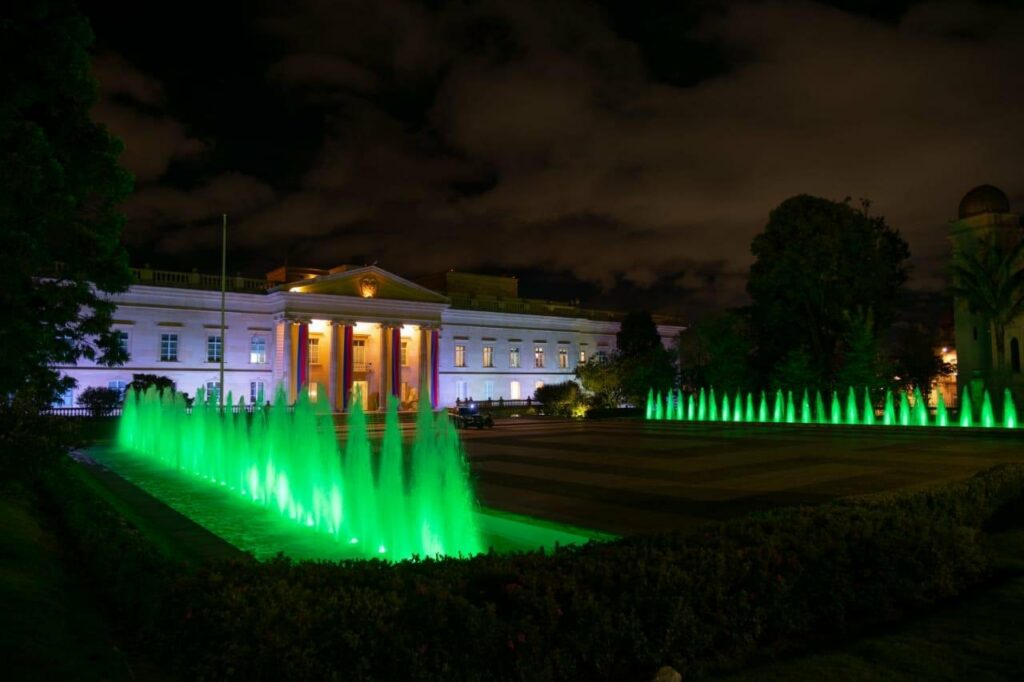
(265, 533)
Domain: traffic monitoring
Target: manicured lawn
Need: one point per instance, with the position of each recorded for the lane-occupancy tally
(977, 637)
(51, 628)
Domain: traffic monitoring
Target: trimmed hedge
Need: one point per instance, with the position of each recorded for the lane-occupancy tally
(620, 610)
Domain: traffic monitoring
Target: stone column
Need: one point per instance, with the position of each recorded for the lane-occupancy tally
(435, 367)
(346, 364)
(423, 375)
(287, 366)
(396, 361)
(332, 366)
(383, 366)
(302, 358)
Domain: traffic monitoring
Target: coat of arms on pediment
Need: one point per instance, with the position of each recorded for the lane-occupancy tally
(368, 287)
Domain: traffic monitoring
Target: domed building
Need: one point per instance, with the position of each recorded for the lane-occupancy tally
(984, 213)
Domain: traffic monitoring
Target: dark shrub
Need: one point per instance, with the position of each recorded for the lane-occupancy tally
(561, 399)
(699, 601)
(100, 400)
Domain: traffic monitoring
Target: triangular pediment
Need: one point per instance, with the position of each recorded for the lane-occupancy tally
(366, 282)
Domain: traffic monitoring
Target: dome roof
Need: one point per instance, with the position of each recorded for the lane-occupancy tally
(984, 199)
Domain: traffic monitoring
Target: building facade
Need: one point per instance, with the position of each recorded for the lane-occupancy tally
(347, 332)
(984, 213)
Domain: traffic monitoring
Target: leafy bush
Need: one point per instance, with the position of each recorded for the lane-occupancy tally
(619, 610)
(561, 399)
(100, 400)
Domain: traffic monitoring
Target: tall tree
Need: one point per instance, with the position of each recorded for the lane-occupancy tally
(816, 262)
(638, 334)
(642, 360)
(990, 277)
(715, 352)
(59, 224)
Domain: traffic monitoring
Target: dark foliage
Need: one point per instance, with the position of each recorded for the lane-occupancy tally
(716, 352)
(816, 263)
(559, 399)
(614, 611)
(58, 196)
(100, 400)
(141, 382)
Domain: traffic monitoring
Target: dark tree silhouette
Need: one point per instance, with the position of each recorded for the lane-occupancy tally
(817, 262)
(59, 224)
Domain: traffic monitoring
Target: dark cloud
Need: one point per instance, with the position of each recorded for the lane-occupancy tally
(555, 137)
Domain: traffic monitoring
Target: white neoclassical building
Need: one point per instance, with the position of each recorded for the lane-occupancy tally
(454, 335)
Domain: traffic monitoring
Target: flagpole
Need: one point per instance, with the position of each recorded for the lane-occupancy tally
(223, 290)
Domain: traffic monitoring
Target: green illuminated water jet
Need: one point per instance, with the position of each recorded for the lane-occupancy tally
(941, 416)
(712, 406)
(288, 460)
(1009, 410)
(920, 409)
(650, 404)
(869, 409)
(966, 416)
(904, 409)
(837, 410)
(852, 416)
(988, 419)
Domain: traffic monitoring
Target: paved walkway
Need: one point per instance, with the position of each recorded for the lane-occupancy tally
(632, 476)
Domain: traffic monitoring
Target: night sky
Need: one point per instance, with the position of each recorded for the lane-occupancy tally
(618, 152)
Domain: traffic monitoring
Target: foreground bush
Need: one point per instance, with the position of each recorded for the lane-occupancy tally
(604, 611)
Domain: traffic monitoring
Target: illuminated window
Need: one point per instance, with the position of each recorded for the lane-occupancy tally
(488, 356)
(314, 350)
(256, 392)
(488, 389)
(258, 350)
(213, 391)
(359, 354)
(168, 347)
(405, 353)
(538, 356)
(563, 358)
(214, 348)
(538, 384)
(122, 341)
(513, 357)
(460, 356)
(583, 356)
(515, 390)
(117, 385)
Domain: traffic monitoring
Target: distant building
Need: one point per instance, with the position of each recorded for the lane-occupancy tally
(453, 335)
(985, 210)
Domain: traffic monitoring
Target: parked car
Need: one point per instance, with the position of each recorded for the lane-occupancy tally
(470, 416)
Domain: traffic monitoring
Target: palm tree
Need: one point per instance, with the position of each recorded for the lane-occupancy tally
(990, 278)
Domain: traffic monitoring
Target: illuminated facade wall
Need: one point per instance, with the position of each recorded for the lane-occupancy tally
(391, 323)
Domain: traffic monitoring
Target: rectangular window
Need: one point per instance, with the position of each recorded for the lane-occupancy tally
(214, 348)
(213, 391)
(359, 356)
(538, 384)
(405, 353)
(168, 347)
(488, 356)
(513, 357)
(538, 356)
(583, 356)
(314, 350)
(563, 358)
(256, 392)
(515, 390)
(461, 389)
(67, 398)
(460, 356)
(258, 350)
(488, 390)
(122, 340)
(117, 385)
